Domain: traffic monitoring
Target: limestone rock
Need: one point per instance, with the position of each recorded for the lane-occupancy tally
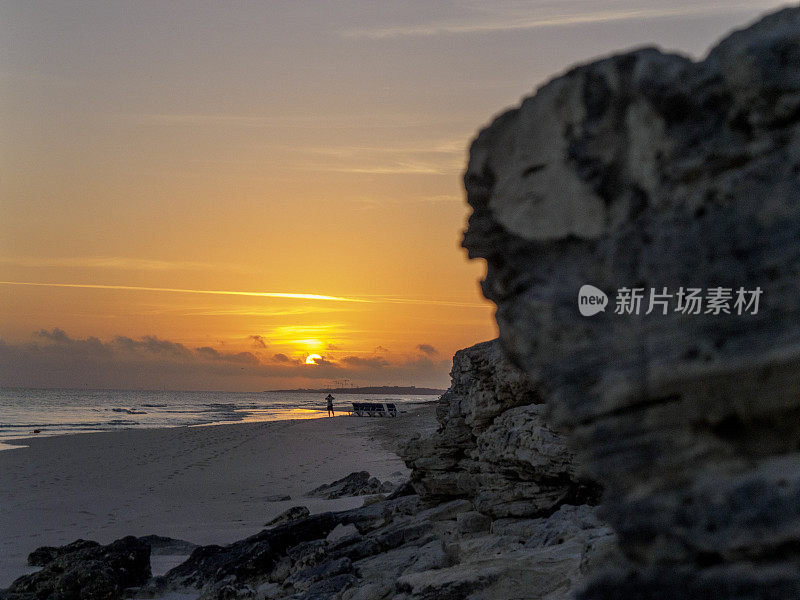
(493, 445)
(355, 484)
(648, 170)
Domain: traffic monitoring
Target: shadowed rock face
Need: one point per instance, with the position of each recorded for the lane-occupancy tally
(649, 170)
(493, 445)
(84, 570)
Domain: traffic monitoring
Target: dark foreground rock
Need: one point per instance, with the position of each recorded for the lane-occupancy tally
(648, 170)
(398, 549)
(84, 570)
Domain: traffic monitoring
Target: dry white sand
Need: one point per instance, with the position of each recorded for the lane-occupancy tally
(202, 484)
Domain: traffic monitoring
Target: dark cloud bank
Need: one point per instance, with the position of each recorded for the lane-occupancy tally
(55, 359)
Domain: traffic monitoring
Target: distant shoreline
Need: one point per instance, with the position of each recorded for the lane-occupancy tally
(385, 389)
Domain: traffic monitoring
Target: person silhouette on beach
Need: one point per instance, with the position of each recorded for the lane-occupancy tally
(329, 399)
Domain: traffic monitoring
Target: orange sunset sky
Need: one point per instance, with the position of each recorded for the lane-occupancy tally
(157, 153)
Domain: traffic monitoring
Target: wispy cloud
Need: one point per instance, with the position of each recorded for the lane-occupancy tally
(258, 311)
(532, 17)
(423, 301)
(436, 157)
(427, 349)
(388, 169)
(187, 291)
(323, 121)
(365, 299)
(116, 262)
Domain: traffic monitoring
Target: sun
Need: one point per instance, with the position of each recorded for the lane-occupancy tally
(312, 359)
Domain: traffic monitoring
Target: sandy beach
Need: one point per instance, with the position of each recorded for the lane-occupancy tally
(201, 484)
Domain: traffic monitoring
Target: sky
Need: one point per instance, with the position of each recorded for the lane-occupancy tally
(203, 195)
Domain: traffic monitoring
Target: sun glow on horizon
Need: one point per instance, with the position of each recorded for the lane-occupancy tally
(312, 359)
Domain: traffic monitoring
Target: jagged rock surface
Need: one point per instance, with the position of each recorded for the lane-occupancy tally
(84, 570)
(650, 170)
(400, 549)
(289, 515)
(493, 446)
(359, 483)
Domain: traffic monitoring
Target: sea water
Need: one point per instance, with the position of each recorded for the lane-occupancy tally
(61, 411)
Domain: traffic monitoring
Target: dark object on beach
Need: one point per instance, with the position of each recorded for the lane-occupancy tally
(84, 570)
(329, 400)
(356, 484)
(166, 546)
(37, 431)
(289, 515)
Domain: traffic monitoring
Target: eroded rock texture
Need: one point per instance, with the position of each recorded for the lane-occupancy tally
(649, 170)
(398, 549)
(84, 570)
(493, 445)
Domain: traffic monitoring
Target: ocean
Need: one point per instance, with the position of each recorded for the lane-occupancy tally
(58, 412)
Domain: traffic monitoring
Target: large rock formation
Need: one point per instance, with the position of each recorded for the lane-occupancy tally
(493, 446)
(648, 170)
